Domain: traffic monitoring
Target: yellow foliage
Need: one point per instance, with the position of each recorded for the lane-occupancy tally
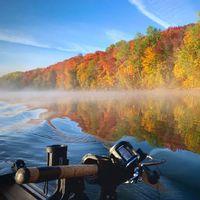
(178, 71)
(187, 63)
(106, 81)
(148, 61)
(125, 76)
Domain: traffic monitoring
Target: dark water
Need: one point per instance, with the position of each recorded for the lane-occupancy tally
(166, 125)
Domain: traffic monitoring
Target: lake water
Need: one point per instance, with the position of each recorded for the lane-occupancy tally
(162, 123)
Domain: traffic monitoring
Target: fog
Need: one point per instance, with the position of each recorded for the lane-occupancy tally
(50, 100)
(48, 97)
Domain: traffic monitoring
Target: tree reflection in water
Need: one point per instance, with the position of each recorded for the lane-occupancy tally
(171, 121)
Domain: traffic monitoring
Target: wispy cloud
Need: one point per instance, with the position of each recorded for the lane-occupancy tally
(7, 37)
(116, 35)
(144, 10)
(81, 48)
(30, 41)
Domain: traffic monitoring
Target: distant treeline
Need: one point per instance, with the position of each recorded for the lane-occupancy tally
(170, 58)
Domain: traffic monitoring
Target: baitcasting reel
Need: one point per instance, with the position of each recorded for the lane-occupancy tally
(123, 165)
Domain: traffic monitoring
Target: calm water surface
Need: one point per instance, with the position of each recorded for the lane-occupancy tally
(164, 124)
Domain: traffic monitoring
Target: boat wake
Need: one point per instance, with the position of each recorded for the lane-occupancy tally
(70, 131)
(13, 116)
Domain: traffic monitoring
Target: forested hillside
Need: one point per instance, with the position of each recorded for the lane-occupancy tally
(170, 58)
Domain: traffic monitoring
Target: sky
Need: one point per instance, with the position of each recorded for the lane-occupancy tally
(37, 33)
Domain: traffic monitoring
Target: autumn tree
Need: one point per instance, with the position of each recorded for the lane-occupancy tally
(187, 64)
(158, 59)
(87, 74)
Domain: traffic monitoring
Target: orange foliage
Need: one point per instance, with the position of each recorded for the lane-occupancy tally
(169, 58)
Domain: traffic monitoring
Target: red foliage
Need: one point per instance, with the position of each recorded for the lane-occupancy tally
(170, 39)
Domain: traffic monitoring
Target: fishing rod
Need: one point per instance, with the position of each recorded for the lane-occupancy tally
(124, 164)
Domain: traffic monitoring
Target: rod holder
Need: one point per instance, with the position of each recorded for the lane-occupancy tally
(57, 155)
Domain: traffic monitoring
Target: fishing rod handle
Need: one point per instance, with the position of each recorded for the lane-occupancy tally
(41, 174)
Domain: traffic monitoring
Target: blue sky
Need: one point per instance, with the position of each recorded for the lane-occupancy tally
(37, 33)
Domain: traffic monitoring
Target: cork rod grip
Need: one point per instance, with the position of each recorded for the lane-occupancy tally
(41, 174)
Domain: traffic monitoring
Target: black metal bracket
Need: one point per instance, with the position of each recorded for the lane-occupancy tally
(67, 189)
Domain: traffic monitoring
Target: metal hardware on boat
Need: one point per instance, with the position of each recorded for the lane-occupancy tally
(122, 165)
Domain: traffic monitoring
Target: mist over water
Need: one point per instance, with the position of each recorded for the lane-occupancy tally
(162, 122)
